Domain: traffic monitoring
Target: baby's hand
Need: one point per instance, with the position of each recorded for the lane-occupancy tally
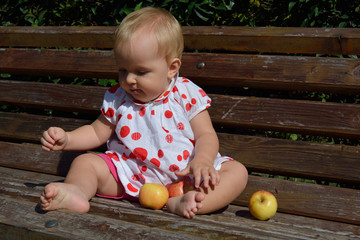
(54, 139)
(201, 169)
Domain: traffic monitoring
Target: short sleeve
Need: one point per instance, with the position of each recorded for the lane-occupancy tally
(191, 97)
(113, 99)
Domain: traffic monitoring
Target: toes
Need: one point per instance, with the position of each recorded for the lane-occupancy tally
(189, 214)
(194, 210)
(199, 197)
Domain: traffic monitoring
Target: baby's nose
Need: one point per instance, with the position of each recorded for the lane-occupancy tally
(130, 79)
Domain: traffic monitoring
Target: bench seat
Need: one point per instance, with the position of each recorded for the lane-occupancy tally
(262, 82)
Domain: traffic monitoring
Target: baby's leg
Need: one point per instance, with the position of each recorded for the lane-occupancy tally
(88, 175)
(233, 179)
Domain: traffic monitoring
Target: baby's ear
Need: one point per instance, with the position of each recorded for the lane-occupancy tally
(174, 67)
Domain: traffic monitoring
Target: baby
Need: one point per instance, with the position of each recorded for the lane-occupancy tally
(156, 127)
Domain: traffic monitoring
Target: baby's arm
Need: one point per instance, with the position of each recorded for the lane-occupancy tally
(206, 150)
(83, 138)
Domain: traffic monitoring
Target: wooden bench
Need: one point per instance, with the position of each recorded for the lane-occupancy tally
(261, 81)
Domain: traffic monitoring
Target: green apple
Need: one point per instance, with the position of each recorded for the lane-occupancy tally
(263, 205)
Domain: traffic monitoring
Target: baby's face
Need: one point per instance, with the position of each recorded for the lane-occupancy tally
(143, 73)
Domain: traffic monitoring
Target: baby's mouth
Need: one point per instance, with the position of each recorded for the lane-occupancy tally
(135, 91)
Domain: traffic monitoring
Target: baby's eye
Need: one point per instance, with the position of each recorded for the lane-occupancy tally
(141, 73)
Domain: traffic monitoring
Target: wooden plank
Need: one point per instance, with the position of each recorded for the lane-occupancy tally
(28, 186)
(330, 162)
(274, 72)
(274, 39)
(59, 36)
(24, 189)
(29, 128)
(306, 117)
(325, 74)
(278, 157)
(63, 63)
(297, 198)
(243, 39)
(313, 200)
(258, 71)
(21, 217)
(52, 96)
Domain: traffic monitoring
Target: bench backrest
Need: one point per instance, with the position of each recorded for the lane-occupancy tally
(253, 76)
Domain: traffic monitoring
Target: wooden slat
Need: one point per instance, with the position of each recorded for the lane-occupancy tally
(331, 162)
(274, 39)
(55, 96)
(85, 37)
(108, 218)
(307, 117)
(274, 72)
(332, 203)
(306, 199)
(258, 71)
(244, 39)
(29, 128)
(63, 63)
(336, 163)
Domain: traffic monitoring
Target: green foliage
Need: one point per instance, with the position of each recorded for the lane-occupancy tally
(288, 13)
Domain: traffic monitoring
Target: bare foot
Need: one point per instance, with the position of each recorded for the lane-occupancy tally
(186, 205)
(63, 196)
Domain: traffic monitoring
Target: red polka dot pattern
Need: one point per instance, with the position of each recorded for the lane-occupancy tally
(149, 147)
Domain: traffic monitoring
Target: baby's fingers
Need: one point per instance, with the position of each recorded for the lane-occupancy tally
(184, 172)
(206, 178)
(210, 177)
(47, 146)
(53, 133)
(47, 138)
(215, 177)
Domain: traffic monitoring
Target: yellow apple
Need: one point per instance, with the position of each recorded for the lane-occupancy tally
(153, 195)
(263, 205)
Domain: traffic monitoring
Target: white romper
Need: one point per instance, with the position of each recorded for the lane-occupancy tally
(153, 140)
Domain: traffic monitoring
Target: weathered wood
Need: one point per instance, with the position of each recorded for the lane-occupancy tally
(274, 72)
(16, 126)
(259, 71)
(243, 39)
(293, 197)
(274, 39)
(52, 96)
(236, 220)
(84, 226)
(311, 200)
(330, 162)
(306, 210)
(306, 117)
(334, 163)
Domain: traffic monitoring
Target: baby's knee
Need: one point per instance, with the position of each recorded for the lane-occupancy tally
(87, 160)
(237, 170)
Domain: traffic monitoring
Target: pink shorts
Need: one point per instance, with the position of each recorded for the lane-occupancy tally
(113, 171)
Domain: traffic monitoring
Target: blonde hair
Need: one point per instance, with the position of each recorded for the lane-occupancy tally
(161, 23)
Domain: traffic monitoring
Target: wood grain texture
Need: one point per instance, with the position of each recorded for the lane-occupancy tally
(215, 57)
(296, 198)
(258, 71)
(22, 188)
(244, 39)
(262, 155)
(306, 117)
